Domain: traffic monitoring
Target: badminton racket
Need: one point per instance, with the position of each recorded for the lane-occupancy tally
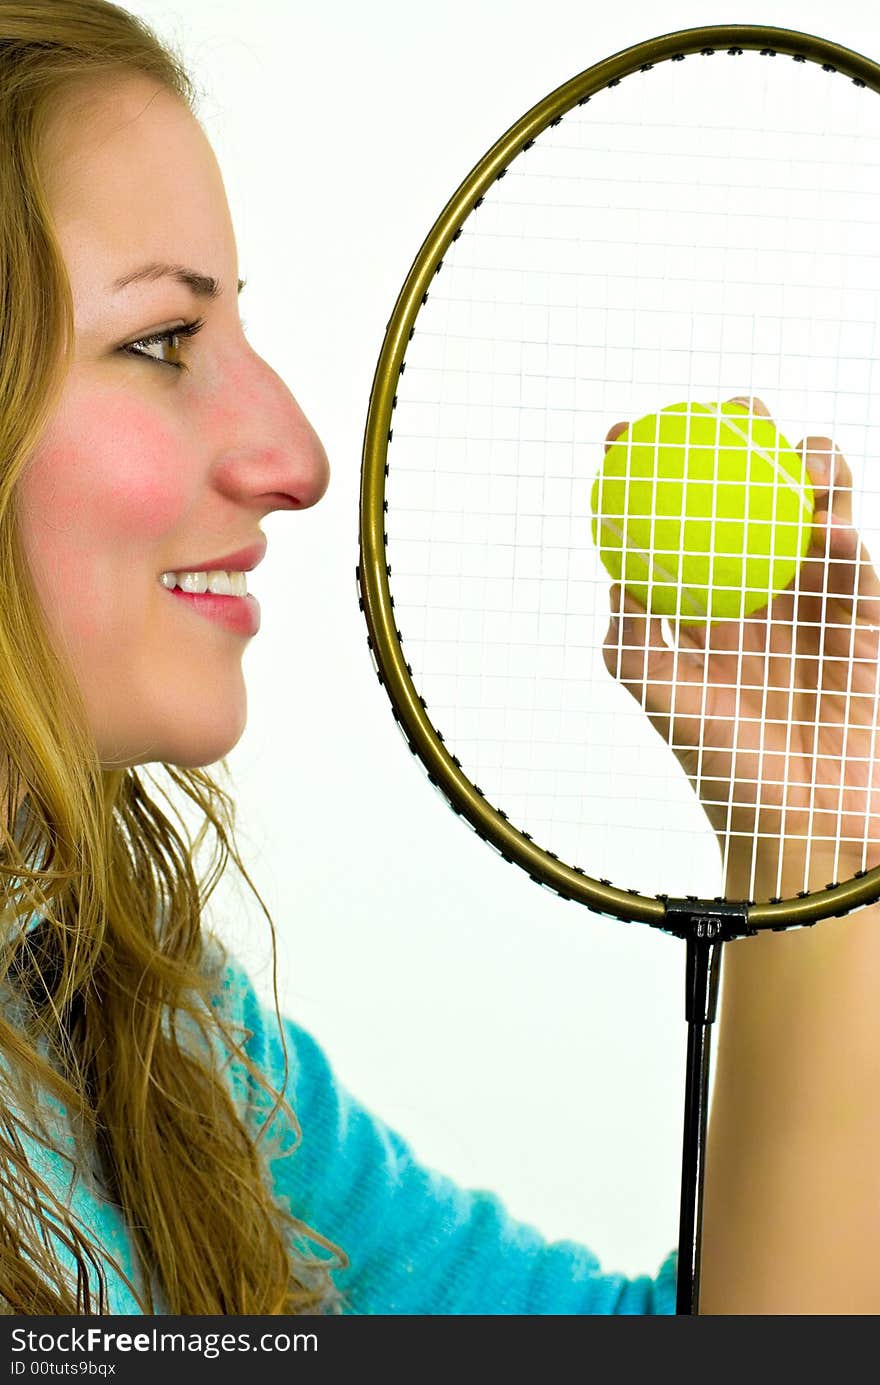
(691, 221)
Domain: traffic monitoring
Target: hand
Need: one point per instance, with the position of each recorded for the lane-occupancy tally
(774, 718)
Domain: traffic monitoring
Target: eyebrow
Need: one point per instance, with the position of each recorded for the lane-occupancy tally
(202, 285)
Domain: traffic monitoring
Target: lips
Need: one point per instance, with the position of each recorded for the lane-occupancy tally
(242, 560)
(238, 613)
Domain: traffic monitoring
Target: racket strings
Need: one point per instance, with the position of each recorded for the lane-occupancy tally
(661, 255)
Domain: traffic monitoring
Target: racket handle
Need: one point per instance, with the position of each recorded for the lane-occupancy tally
(703, 970)
(705, 929)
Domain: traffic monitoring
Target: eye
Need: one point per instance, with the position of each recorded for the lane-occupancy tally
(169, 338)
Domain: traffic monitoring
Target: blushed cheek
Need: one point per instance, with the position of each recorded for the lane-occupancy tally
(100, 503)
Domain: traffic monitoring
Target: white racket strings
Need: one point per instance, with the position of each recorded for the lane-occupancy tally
(702, 231)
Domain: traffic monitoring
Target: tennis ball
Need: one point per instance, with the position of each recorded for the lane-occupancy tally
(702, 511)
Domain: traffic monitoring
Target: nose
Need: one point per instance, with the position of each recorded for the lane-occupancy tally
(270, 452)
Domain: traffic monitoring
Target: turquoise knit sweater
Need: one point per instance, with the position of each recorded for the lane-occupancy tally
(417, 1243)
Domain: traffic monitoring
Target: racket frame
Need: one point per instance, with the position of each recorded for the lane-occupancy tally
(705, 925)
(444, 770)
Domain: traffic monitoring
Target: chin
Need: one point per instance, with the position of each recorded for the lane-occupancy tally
(199, 752)
(188, 747)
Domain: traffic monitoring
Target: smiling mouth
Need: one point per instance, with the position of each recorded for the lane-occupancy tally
(228, 582)
(240, 614)
(242, 560)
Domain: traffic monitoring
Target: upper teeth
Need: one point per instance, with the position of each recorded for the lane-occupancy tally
(220, 583)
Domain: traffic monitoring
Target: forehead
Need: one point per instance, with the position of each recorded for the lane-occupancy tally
(131, 175)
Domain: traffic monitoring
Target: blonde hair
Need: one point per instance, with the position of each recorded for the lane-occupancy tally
(119, 954)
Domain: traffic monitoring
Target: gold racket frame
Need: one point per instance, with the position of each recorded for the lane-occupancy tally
(373, 573)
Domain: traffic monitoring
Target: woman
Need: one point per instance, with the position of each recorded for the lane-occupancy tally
(150, 1109)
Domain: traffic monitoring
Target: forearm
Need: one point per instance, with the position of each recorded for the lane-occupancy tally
(791, 1220)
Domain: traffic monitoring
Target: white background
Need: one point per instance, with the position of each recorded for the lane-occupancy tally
(519, 1042)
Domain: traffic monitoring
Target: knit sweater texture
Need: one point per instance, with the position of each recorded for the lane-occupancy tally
(416, 1242)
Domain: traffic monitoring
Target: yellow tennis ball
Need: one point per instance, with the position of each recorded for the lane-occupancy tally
(702, 511)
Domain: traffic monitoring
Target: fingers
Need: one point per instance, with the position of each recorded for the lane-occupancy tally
(614, 432)
(634, 650)
(839, 564)
(755, 406)
(636, 654)
(829, 473)
(830, 477)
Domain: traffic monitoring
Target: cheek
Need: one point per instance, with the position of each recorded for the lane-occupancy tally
(103, 490)
(108, 469)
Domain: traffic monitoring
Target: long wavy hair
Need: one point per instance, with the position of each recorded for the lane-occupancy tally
(94, 993)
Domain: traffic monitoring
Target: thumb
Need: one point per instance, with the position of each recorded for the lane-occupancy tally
(635, 653)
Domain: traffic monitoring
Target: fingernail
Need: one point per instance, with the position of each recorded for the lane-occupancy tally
(819, 461)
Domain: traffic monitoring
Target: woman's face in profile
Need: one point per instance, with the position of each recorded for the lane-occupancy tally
(147, 467)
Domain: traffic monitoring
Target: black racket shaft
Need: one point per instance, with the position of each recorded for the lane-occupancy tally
(703, 964)
(704, 933)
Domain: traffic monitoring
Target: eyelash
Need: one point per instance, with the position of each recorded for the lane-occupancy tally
(188, 329)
